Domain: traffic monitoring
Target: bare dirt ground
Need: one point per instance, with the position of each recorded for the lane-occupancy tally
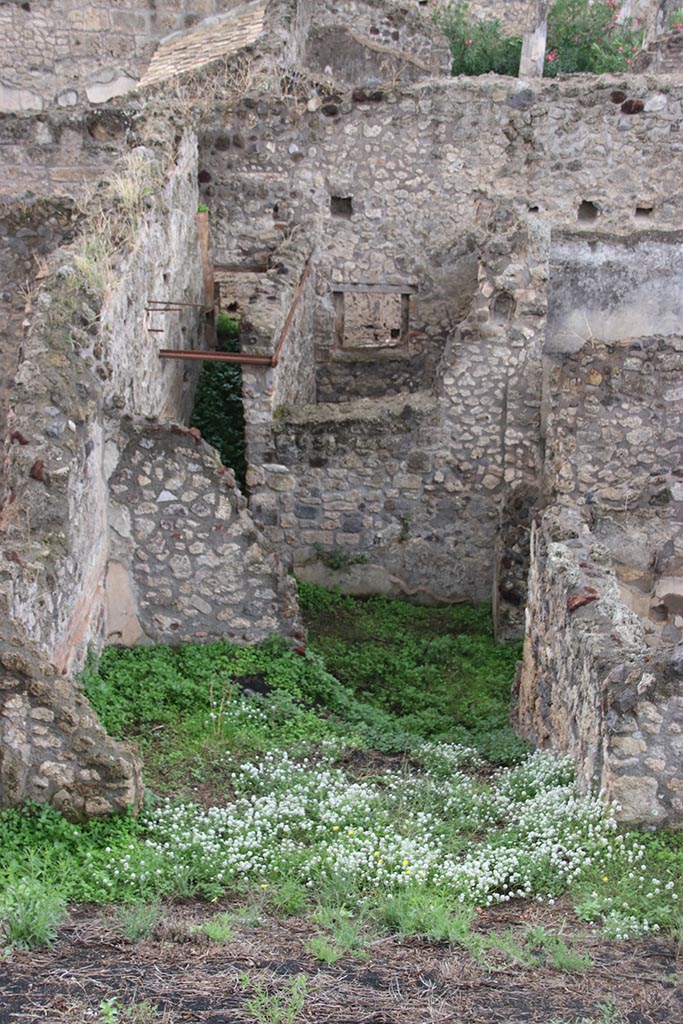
(175, 976)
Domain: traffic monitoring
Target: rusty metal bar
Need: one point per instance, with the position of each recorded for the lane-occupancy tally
(244, 357)
(172, 305)
(217, 357)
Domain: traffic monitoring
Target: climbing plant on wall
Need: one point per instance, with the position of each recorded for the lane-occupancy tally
(218, 409)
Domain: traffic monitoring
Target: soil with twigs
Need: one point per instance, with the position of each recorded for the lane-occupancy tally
(177, 974)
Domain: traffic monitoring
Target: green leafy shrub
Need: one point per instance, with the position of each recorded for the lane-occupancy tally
(31, 910)
(583, 36)
(477, 47)
(218, 407)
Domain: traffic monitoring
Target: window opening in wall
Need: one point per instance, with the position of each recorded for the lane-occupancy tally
(372, 315)
(341, 206)
(218, 406)
(587, 212)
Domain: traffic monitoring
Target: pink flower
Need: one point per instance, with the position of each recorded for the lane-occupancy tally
(468, 42)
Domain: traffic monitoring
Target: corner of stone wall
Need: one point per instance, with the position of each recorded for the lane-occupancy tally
(589, 686)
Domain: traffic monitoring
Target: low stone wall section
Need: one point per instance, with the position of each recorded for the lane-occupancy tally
(53, 749)
(187, 562)
(369, 481)
(60, 152)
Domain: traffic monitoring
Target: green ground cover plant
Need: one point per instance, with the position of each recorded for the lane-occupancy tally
(582, 37)
(372, 778)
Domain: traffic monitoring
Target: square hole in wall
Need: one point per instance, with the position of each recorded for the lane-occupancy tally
(372, 316)
(341, 206)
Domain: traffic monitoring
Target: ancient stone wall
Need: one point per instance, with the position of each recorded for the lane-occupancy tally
(372, 41)
(614, 439)
(186, 560)
(52, 747)
(589, 686)
(442, 199)
(29, 232)
(60, 153)
(74, 52)
(177, 566)
(78, 366)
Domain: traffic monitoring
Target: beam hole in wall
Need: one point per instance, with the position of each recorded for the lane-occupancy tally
(587, 212)
(503, 306)
(644, 212)
(341, 206)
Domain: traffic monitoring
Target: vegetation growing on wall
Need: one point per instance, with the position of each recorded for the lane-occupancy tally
(218, 408)
(582, 37)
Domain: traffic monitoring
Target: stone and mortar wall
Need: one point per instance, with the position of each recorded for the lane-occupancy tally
(614, 436)
(53, 557)
(164, 265)
(614, 448)
(454, 187)
(73, 52)
(187, 562)
(29, 232)
(54, 526)
(60, 152)
(52, 747)
(77, 366)
(179, 566)
(590, 687)
(360, 42)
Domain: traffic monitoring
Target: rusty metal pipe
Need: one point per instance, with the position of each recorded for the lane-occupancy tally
(217, 357)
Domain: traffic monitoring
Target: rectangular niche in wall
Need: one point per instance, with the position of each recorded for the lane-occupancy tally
(239, 285)
(372, 315)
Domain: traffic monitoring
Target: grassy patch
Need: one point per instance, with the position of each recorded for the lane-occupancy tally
(373, 778)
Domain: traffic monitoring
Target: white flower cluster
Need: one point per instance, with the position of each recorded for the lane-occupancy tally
(525, 833)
